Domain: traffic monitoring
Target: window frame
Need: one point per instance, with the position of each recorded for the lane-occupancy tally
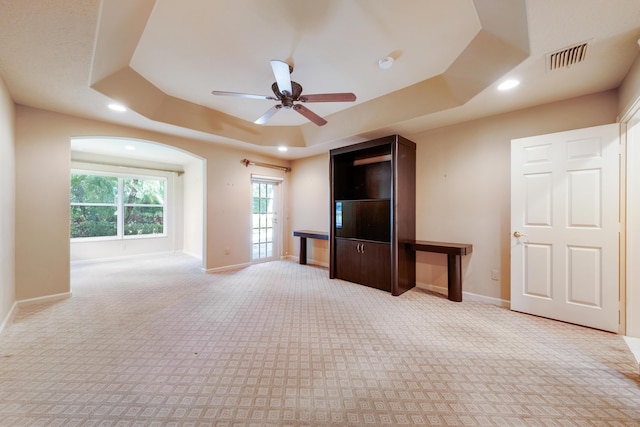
(120, 205)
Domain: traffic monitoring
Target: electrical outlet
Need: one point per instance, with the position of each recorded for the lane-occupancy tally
(226, 251)
(495, 275)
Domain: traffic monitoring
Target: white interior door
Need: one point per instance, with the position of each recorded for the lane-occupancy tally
(565, 225)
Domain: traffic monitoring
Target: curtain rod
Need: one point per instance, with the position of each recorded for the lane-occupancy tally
(247, 162)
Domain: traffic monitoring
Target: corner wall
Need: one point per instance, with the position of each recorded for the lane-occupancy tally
(462, 191)
(630, 89)
(309, 201)
(463, 187)
(7, 204)
(42, 210)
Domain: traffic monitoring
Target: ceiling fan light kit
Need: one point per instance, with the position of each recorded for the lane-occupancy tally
(288, 92)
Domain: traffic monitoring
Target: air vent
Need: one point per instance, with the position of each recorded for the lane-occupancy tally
(567, 57)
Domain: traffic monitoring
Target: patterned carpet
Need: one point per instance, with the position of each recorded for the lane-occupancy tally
(157, 342)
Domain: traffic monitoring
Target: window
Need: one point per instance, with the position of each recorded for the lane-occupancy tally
(113, 206)
(93, 206)
(143, 204)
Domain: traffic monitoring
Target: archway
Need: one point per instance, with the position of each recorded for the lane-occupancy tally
(182, 224)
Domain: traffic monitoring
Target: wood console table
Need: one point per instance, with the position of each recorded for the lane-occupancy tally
(308, 234)
(454, 263)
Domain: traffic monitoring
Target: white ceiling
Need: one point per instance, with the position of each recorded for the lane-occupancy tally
(162, 58)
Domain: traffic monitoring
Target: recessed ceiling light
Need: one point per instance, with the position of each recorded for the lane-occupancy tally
(118, 107)
(282, 148)
(508, 84)
(129, 147)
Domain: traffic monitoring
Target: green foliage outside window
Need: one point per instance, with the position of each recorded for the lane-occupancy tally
(93, 221)
(143, 206)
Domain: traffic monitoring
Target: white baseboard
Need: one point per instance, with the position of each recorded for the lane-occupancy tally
(466, 296)
(125, 257)
(634, 346)
(488, 300)
(7, 320)
(318, 263)
(227, 268)
(309, 261)
(191, 254)
(30, 301)
(46, 298)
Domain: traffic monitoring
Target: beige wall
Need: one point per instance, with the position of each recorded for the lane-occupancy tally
(42, 225)
(7, 203)
(192, 220)
(309, 199)
(42, 204)
(462, 190)
(630, 89)
(463, 186)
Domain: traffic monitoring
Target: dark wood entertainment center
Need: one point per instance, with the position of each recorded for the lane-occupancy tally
(373, 209)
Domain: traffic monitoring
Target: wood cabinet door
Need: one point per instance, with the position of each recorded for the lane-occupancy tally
(348, 260)
(375, 265)
(364, 262)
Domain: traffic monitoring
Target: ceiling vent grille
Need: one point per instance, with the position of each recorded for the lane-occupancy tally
(567, 57)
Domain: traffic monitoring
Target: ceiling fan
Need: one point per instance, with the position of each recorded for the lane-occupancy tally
(288, 93)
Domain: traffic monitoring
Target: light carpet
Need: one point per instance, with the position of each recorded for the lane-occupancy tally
(157, 342)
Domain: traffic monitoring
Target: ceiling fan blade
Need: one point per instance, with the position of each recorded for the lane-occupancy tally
(266, 116)
(282, 72)
(310, 115)
(328, 97)
(244, 95)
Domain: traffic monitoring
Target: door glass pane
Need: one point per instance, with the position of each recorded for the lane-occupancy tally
(263, 220)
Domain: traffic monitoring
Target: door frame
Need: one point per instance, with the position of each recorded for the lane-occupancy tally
(630, 232)
(277, 229)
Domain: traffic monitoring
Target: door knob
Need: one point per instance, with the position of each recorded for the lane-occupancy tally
(518, 234)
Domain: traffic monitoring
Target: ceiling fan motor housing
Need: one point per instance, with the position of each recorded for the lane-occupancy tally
(287, 99)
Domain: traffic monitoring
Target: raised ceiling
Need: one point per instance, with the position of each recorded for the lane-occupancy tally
(162, 58)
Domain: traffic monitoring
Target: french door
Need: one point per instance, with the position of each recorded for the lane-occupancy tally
(265, 242)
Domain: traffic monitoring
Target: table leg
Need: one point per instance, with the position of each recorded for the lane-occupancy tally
(454, 279)
(303, 250)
